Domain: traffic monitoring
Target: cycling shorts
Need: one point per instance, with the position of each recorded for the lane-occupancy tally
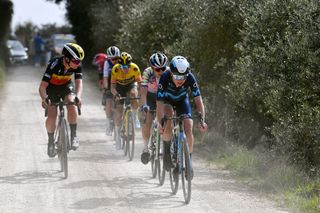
(181, 107)
(123, 90)
(55, 92)
(152, 100)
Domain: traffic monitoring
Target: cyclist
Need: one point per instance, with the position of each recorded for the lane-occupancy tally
(113, 54)
(173, 93)
(56, 83)
(125, 80)
(148, 90)
(98, 61)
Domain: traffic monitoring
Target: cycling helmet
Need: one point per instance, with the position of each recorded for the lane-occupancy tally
(158, 60)
(113, 51)
(99, 58)
(179, 65)
(125, 58)
(73, 51)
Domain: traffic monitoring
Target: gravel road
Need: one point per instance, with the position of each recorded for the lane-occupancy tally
(100, 178)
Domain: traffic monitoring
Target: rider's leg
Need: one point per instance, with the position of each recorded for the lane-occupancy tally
(118, 121)
(146, 128)
(51, 126)
(187, 124)
(133, 93)
(72, 119)
(166, 136)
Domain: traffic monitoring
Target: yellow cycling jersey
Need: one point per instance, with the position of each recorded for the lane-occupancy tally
(118, 76)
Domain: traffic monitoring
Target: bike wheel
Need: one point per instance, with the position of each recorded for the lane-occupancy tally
(64, 147)
(159, 161)
(130, 135)
(186, 172)
(58, 144)
(153, 157)
(174, 174)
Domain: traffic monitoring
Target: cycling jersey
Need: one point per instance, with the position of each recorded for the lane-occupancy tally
(150, 80)
(122, 78)
(56, 74)
(167, 90)
(107, 69)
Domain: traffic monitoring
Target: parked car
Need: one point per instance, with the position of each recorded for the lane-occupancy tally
(17, 52)
(58, 40)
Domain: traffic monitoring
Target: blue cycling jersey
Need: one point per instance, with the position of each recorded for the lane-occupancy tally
(167, 90)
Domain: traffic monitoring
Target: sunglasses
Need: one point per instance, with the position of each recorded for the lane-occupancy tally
(75, 61)
(114, 59)
(124, 67)
(180, 77)
(159, 69)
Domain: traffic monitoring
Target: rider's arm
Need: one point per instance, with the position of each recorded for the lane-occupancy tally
(143, 93)
(106, 71)
(199, 106)
(43, 90)
(78, 83)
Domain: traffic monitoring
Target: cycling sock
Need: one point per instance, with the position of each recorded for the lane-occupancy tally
(50, 137)
(73, 128)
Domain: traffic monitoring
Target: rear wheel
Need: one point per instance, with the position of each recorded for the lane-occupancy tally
(130, 135)
(186, 172)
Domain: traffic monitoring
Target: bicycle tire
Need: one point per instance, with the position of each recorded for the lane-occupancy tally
(64, 147)
(174, 181)
(186, 171)
(130, 135)
(57, 141)
(159, 162)
(153, 153)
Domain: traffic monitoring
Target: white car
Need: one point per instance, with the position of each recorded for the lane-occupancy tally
(17, 52)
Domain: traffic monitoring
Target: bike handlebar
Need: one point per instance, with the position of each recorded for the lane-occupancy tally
(61, 103)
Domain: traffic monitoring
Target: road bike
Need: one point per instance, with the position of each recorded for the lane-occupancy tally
(156, 148)
(127, 131)
(180, 156)
(61, 135)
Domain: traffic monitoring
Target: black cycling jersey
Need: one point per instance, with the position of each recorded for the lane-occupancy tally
(56, 74)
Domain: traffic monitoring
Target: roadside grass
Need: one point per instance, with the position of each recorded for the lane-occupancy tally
(264, 171)
(2, 72)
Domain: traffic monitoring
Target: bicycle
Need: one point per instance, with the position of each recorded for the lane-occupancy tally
(127, 132)
(155, 147)
(180, 156)
(61, 135)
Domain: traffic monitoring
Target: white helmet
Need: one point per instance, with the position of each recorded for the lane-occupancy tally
(113, 51)
(179, 65)
(158, 60)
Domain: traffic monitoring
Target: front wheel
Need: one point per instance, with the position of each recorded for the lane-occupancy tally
(159, 161)
(153, 157)
(186, 175)
(63, 135)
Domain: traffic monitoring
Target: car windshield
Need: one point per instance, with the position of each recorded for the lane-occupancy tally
(15, 45)
(60, 42)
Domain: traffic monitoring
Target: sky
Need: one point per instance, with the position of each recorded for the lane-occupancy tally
(39, 12)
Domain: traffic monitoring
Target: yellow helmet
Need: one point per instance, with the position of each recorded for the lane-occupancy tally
(72, 50)
(125, 58)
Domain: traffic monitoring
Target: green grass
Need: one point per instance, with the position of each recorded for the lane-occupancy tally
(264, 171)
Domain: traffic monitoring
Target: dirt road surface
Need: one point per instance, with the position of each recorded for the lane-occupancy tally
(100, 178)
